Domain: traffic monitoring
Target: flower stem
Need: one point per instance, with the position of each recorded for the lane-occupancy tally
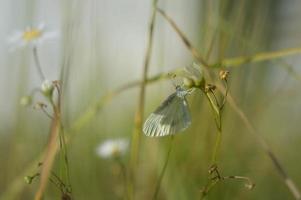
(65, 158)
(164, 169)
(37, 63)
(140, 109)
(217, 146)
(124, 176)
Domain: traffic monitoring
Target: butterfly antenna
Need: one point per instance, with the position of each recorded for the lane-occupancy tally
(173, 79)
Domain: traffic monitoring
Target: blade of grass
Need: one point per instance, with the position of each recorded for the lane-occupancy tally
(235, 62)
(187, 43)
(17, 184)
(276, 163)
(259, 57)
(158, 186)
(140, 109)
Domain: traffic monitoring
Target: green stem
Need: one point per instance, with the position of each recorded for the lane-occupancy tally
(208, 187)
(37, 63)
(140, 110)
(62, 141)
(218, 137)
(125, 179)
(65, 158)
(164, 169)
(216, 146)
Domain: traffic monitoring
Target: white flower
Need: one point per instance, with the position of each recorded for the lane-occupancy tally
(31, 36)
(47, 87)
(112, 148)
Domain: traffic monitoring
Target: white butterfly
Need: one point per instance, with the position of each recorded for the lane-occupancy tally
(171, 117)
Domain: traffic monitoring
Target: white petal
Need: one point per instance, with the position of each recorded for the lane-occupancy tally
(110, 147)
(50, 35)
(41, 26)
(15, 37)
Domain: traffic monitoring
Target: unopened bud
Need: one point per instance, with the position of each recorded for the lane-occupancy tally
(250, 186)
(189, 83)
(26, 101)
(28, 179)
(39, 105)
(47, 88)
(223, 74)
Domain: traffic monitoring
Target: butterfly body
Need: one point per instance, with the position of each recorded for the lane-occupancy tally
(171, 117)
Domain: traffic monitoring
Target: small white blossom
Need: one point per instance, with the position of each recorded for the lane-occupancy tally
(47, 87)
(112, 148)
(31, 36)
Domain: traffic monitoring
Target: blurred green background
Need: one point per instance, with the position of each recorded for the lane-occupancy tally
(102, 46)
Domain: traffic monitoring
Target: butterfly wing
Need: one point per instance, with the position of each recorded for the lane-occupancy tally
(152, 125)
(178, 118)
(171, 117)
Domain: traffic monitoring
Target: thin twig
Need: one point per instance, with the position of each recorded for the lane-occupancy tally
(17, 184)
(37, 63)
(140, 109)
(65, 156)
(249, 184)
(52, 147)
(239, 61)
(163, 169)
(229, 62)
(124, 176)
(276, 163)
(187, 43)
(50, 155)
(259, 57)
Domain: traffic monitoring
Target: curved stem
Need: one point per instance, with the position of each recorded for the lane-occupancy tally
(37, 63)
(164, 169)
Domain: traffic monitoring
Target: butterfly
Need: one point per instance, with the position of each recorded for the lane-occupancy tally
(171, 117)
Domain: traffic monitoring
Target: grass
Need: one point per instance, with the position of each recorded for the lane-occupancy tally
(240, 156)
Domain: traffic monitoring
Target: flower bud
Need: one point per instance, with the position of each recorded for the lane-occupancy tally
(39, 105)
(47, 88)
(195, 76)
(250, 186)
(189, 83)
(26, 101)
(28, 179)
(223, 74)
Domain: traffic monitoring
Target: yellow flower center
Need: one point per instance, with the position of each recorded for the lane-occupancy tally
(31, 34)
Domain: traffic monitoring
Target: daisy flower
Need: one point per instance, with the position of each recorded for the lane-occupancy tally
(31, 36)
(112, 148)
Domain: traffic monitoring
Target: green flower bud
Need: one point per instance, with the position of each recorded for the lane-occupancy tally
(195, 75)
(28, 179)
(47, 88)
(26, 101)
(189, 83)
